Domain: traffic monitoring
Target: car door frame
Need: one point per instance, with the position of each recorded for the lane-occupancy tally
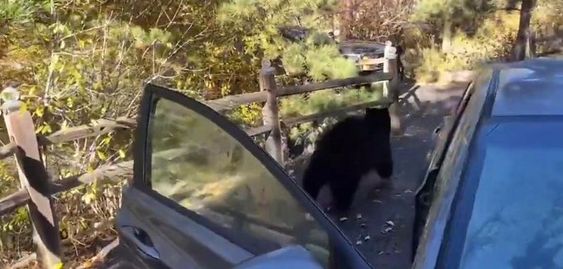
(448, 174)
(424, 192)
(339, 243)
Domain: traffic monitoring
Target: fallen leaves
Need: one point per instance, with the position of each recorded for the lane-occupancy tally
(388, 227)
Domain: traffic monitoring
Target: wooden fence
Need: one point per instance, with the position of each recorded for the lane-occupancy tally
(37, 188)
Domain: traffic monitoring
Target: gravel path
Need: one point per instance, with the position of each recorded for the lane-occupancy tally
(380, 222)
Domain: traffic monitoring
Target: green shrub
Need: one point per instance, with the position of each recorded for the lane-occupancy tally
(491, 41)
(434, 64)
(321, 101)
(247, 115)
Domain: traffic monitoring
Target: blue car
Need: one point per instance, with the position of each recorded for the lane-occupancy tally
(493, 194)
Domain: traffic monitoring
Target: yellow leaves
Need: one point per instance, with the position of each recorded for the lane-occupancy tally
(104, 110)
(23, 107)
(76, 75)
(88, 198)
(97, 86)
(59, 28)
(19, 217)
(101, 155)
(53, 61)
(64, 125)
(179, 84)
(248, 114)
(88, 264)
(121, 153)
(69, 102)
(106, 141)
(44, 128)
(33, 90)
(39, 111)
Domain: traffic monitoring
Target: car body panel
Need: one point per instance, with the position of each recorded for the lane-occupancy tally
(164, 232)
(518, 92)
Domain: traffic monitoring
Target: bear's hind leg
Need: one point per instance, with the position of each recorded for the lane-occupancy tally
(343, 189)
(314, 178)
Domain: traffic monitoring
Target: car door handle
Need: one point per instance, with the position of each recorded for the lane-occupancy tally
(142, 240)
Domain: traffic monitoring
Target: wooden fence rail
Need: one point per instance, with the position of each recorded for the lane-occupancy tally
(37, 188)
(233, 101)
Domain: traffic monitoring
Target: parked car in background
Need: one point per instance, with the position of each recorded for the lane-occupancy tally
(493, 194)
(364, 53)
(204, 195)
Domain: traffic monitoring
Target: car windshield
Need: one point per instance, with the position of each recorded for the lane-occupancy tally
(510, 210)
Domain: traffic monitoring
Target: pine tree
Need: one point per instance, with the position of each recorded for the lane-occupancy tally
(261, 23)
(449, 15)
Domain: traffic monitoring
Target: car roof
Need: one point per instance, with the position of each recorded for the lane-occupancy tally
(361, 46)
(529, 88)
(522, 151)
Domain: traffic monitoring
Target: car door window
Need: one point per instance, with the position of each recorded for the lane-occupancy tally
(198, 165)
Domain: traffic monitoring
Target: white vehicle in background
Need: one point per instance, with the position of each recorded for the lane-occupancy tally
(368, 55)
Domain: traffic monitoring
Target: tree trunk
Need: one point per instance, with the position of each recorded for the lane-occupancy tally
(522, 47)
(346, 19)
(447, 35)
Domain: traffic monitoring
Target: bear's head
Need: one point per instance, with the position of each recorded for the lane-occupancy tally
(378, 118)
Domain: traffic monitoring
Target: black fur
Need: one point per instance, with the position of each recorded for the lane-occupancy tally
(400, 66)
(346, 152)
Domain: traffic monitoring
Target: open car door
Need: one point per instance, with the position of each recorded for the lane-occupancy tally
(204, 195)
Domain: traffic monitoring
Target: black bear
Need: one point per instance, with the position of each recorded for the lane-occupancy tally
(349, 150)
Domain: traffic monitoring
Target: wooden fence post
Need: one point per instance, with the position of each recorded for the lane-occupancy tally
(392, 87)
(34, 178)
(270, 116)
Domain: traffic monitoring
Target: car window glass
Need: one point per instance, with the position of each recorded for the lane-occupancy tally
(513, 97)
(519, 189)
(201, 167)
